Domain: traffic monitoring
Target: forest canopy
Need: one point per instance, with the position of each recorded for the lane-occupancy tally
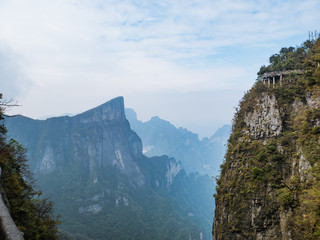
(289, 58)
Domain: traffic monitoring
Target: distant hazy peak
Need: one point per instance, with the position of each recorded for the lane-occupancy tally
(156, 118)
(131, 114)
(224, 131)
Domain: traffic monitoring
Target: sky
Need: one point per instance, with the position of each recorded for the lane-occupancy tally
(188, 62)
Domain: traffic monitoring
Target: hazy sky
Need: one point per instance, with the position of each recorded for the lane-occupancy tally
(188, 62)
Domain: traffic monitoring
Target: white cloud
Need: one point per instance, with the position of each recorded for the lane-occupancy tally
(98, 49)
(13, 80)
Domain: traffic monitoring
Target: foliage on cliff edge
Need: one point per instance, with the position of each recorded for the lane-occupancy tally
(276, 177)
(31, 213)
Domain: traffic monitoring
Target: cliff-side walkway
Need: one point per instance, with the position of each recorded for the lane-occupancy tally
(277, 76)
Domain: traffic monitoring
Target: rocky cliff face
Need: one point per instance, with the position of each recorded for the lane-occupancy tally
(269, 183)
(264, 120)
(93, 168)
(98, 138)
(249, 210)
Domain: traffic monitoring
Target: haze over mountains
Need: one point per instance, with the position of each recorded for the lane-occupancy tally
(93, 168)
(160, 137)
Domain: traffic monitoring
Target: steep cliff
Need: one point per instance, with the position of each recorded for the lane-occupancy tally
(100, 137)
(104, 187)
(269, 183)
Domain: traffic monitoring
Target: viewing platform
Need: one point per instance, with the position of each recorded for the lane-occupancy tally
(277, 76)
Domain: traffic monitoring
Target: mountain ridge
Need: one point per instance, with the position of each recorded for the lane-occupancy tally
(93, 168)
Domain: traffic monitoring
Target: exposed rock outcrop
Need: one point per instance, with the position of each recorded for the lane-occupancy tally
(265, 119)
(173, 169)
(8, 229)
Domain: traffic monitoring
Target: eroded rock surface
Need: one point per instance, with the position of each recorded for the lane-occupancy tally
(264, 120)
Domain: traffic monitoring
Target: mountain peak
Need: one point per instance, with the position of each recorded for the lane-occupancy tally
(108, 111)
(117, 102)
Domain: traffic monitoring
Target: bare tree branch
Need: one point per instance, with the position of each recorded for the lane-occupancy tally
(8, 103)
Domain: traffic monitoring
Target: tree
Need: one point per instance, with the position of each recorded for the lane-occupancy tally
(288, 58)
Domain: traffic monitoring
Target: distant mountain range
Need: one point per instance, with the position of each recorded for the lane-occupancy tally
(92, 166)
(160, 137)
